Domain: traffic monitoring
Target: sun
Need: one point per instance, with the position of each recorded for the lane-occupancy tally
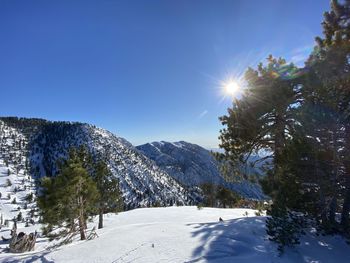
(231, 88)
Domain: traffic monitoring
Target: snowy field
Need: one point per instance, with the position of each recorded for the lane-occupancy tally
(185, 234)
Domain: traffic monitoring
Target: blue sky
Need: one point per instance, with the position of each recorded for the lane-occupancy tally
(145, 70)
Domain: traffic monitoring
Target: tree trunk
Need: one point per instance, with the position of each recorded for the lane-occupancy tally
(346, 204)
(279, 135)
(82, 223)
(22, 242)
(332, 210)
(82, 228)
(346, 210)
(100, 219)
(322, 208)
(278, 145)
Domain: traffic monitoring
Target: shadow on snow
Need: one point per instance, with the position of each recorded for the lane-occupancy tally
(245, 240)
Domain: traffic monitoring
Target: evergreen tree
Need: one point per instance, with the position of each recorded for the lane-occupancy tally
(68, 199)
(218, 195)
(226, 197)
(302, 116)
(110, 198)
(264, 117)
(209, 194)
(330, 65)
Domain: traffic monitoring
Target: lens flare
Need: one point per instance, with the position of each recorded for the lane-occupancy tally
(231, 88)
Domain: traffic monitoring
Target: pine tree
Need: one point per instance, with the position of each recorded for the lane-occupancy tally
(68, 199)
(307, 129)
(284, 227)
(264, 117)
(209, 192)
(330, 65)
(226, 197)
(110, 198)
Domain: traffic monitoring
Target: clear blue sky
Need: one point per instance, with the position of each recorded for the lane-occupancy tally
(145, 70)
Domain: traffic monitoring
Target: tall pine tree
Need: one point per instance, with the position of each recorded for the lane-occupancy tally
(110, 198)
(68, 199)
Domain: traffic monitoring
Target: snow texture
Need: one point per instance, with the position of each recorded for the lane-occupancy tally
(186, 234)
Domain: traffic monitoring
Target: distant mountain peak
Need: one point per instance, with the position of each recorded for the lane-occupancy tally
(193, 165)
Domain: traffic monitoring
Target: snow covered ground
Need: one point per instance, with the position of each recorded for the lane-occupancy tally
(185, 234)
(21, 186)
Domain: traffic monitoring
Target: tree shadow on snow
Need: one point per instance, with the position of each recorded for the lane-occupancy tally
(245, 240)
(238, 238)
(37, 257)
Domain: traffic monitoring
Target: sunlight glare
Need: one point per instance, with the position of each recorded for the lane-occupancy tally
(231, 88)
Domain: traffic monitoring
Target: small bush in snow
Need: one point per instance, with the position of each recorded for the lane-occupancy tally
(8, 182)
(199, 206)
(19, 217)
(284, 227)
(29, 197)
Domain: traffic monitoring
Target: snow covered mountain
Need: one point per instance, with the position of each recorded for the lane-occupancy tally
(30, 148)
(193, 165)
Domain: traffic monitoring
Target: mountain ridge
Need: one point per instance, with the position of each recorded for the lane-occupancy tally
(193, 165)
(31, 147)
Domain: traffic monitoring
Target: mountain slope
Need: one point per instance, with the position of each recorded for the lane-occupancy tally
(193, 165)
(30, 149)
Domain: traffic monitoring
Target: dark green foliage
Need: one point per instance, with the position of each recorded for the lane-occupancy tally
(328, 86)
(226, 197)
(302, 117)
(218, 196)
(68, 199)
(110, 198)
(209, 192)
(284, 227)
(81, 189)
